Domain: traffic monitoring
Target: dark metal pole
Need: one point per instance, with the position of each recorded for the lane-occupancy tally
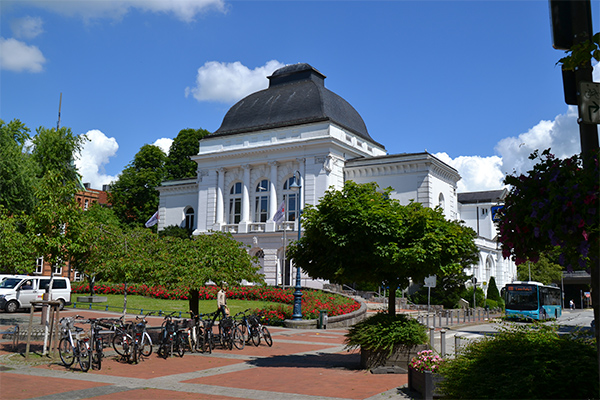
(297, 315)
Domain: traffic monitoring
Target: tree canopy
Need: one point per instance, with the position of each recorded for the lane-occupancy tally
(361, 234)
(187, 143)
(133, 196)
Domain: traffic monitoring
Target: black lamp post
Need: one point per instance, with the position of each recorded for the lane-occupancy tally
(297, 185)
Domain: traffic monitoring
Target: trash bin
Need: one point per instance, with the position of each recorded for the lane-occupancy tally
(322, 321)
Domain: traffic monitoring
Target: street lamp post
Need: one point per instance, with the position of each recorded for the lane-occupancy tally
(297, 185)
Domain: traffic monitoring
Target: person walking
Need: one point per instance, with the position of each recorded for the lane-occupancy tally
(222, 301)
(572, 304)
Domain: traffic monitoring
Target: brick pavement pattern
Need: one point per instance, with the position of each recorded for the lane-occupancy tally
(301, 365)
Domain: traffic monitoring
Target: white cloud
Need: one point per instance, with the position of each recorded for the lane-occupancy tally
(478, 173)
(18, 56)
(164, 144)
(229, 82)
(94, 157)
(27, 27)
(185, 10)
(487, 173)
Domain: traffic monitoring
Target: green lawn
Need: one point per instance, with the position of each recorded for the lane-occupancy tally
(147, 304)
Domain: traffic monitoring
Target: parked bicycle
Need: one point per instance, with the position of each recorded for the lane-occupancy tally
(263, 332)
(131, 340)
(74, 344)
(248, 331)
(97, 341)
(173, 337)
(196, 333)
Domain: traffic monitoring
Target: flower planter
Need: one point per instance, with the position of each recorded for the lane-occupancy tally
(400, 357)
(424, 382)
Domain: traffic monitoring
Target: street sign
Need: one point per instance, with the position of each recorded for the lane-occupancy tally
(589, 102)
(430, 281)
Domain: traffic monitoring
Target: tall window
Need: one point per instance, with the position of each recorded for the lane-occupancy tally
(261, 203)
(189, 219)
(290, 199)
(235, 203)
(39, 265)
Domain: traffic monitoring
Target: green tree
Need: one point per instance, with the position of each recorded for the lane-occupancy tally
(17, 173)
(133, 196)
(97, 236)
(55, 150)
(361, 234)
(214, 256)
(492, 292)
(187, 143)
(18, 252)
(544, 270)
(449, 289)
(55, 223)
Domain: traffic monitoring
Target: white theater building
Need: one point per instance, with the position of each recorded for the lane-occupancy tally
(297, 127)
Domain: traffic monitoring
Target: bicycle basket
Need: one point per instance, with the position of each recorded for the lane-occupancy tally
(227, 323)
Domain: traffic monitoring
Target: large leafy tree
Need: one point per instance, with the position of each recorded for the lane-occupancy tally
(212, 257)
(134, 196)
(55, 150)
(55, 223)
(17, 172)
(178, 164)
(545, 270)
(361, 234)
(449, 288)
(16, 248)
(100, 234)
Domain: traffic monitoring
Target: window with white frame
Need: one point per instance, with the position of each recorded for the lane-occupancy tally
(235, 203)
(189, 219)
(39, 265)
(290, 198)
(261, 201)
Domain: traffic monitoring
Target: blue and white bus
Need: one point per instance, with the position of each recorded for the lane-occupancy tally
(532, 300)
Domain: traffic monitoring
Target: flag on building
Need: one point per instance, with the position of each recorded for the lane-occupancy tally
(152, 221)
(280, 214)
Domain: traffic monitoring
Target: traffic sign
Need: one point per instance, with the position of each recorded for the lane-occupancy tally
(589, 102)
(430, 281)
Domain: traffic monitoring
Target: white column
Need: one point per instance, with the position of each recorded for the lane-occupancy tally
(246, 195)
(220, 188)
(273, 190)
(302, 169)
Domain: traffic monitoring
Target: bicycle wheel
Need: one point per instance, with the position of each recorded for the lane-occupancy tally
(208, 341)
(267, 336)
(255, 335)
(65, 350)
(146, 345)
(180, 344)
(98, 355)
(85, 355)
(121, 344)
(244, 331)
(238, 339)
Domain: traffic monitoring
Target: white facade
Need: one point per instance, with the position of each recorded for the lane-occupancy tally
(244, 176)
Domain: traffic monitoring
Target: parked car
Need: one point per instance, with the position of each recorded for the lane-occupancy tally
(19, 291)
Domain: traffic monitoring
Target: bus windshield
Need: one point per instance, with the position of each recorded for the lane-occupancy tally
(521, 297)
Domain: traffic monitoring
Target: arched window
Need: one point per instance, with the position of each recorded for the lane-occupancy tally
(189, 219)
(235, 203)
(442, 201)
(261, 203)
(290, 199)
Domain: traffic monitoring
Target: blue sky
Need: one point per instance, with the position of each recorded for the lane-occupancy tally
(473, 82)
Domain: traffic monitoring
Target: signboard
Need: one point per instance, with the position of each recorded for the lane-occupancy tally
(589, 102)
(430, 281)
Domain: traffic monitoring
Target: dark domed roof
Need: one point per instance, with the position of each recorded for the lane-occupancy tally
(296, 96)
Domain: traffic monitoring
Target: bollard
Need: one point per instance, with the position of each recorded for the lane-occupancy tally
(465, 315)
(440, 316)
(443, 342)
(106, 309)
(431, 334)
(451, 314)
(433, 317)
(427, 319)
(90, 307)
(456, 344)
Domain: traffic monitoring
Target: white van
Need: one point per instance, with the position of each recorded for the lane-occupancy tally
(19, 291)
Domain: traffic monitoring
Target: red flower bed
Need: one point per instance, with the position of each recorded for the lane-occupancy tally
(313, 301)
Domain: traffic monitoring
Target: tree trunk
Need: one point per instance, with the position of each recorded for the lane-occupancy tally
(392, 300)
(193, 300)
